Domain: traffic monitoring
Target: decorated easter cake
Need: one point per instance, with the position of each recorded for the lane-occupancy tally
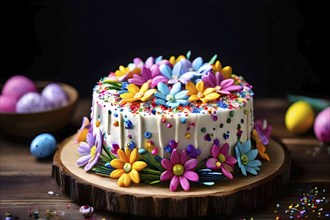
(172, 121)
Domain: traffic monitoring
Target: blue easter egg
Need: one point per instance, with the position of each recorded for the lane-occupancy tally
(43, 145)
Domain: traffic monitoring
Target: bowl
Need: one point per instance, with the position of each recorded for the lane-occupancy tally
(31, 124)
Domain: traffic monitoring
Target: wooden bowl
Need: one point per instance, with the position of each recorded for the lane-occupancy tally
(32, 124)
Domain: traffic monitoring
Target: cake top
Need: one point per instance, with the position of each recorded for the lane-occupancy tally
(174, 85)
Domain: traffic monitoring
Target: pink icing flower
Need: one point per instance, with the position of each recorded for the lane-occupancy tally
(179, 170)
(222, 160)
(221, 85)
(151, 75)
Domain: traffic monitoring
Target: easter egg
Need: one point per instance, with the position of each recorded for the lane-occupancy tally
(322, 125)
(16, 86)
(55, 94)
(43, 145)
(299, 117)
(7, 103)
(32, 102)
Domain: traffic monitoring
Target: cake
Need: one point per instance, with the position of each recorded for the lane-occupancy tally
(176, 120)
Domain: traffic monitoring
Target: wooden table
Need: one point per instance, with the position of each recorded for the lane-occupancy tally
(27, 185)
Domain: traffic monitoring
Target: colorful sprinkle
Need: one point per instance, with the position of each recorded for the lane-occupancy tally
(147, 134)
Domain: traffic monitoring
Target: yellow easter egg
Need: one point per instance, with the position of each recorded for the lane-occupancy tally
(299, 117)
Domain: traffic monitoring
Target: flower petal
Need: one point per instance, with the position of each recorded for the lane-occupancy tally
(124, 180)
(148, 94)
(181, 95)
(252, 154)
(230, 160)
(117, 173)
(174, 183)
(177, 69)
(160, 95)
(210, 97)
(190, 164)
(144, 87)
(126, 95)
(184, 183)
(211, 163)
(175, 157)
(166, 71)
(160, 102)
(175, 88)
(224, 149)
(132, 89)
(122, 156)
(134, 175)
(166, 175)
(139, 165)
(117, 163)
(215, 151)
(251, 170)
(200, 86)
(83, 160)
(246, 147)
(197, 63)
(167, 164)
(133, 156)
(84, 148)
(186, 77)
(208, 91)
(183, 157)
(191, 175)
(254, 163)
(226, 173)
(190, 86)
(163, 88)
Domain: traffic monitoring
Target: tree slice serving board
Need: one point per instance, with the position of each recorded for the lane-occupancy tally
(158, 201)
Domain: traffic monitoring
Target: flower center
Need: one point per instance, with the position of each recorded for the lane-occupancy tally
(221, 158)
(139, 95)
(178, 169)
(127, 167)
(200, 95)
(218, 164)
(244, 159)
(217, 88)
(93, 151)
(170, 98)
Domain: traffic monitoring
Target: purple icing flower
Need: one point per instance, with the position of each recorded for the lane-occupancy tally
(90, 150)
(221, 85)
(222, 160)
(151, 75)
(179, 170)
(171, 98)
(192, 152)
(264, 130)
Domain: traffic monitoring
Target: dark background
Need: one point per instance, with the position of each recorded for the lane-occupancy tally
(277, 46)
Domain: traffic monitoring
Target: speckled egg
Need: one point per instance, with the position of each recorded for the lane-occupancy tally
(322, 125)
(18, 85)
(43, 145)
(299, 117)
(55, 94)
(7, 103)
(32, 102)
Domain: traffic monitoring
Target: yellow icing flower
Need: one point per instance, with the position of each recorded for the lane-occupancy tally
(124, 73)
(135, 93)
(199, 93)
(226, 71)
(261, 148)
(126, 167)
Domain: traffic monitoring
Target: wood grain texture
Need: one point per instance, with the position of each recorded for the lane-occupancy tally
(158, 201)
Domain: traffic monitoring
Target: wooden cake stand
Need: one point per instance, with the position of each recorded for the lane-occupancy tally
(158, 201)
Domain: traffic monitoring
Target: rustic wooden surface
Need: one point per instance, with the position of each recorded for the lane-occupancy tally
(25, 182)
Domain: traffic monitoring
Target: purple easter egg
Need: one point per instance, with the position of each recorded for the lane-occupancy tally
(7, 103)
(55, 94)
(32, 102)
(322, 125)
(18, 85)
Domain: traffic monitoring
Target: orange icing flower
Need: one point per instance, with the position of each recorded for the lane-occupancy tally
(198, 92)
(261, 148)
(135, 93)
(226, 71)
(83, 131)
(127, 167)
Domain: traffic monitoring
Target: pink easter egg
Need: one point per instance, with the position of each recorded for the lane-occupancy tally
(16, 86)
(322, 125)
(7, 103)
(55, 94)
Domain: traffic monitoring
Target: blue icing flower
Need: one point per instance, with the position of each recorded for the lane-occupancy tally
(179, 73)
(128, 124)
(171, 98)
(123, 88)
(246, 158)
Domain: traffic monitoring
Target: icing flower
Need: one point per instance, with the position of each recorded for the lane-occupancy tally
(221, 159)
(127, 167)
(199, 93)
(176, 74)
(136, 94)
(226, 71)
(259, 145)
(179, 170)
(263, 130)
(90, 150)
(124, 73)
(171, 98)
(221, 85)
(246, 158)
(151, 75)
(201, 67)
(192, 152)
(83, 130)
